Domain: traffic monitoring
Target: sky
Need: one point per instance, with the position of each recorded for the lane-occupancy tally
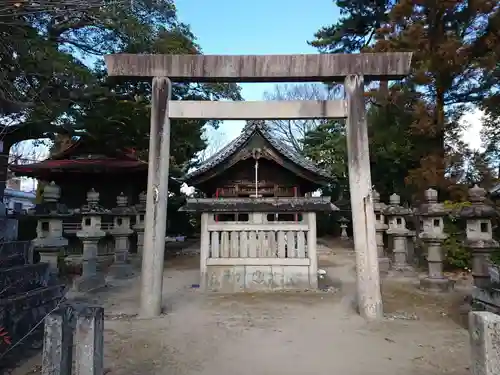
(258, 27)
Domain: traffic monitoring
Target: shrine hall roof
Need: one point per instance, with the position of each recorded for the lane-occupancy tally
(248, 131)
(30, 170)
(119, 161)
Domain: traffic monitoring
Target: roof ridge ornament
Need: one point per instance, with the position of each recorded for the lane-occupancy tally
(256, 153)
(255, 124)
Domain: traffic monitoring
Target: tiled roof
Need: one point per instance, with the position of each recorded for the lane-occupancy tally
(125, 154)
(250, 128)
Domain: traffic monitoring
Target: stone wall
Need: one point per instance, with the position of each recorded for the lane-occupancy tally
(487, 296)
(484, 331)
(487, 299)
(27, 294)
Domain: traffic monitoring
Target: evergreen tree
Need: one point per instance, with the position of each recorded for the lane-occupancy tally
(451, 41)
(53, 77)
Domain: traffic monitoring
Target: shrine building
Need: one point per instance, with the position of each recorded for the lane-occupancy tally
(258, 228)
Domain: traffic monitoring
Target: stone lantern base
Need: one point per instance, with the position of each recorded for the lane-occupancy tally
(50, 249)
(50, 256)
(384, 265)
(402, 271)
(121, 271)
(441, 285)
(121, 267)
(85, 284)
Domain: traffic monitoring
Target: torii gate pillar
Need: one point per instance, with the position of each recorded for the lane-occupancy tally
(157, 195)
(369, 299)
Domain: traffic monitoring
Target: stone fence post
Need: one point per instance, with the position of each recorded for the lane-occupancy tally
(484, 331)
(78, 325)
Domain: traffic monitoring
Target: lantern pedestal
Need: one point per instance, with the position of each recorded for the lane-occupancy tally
(436, 285)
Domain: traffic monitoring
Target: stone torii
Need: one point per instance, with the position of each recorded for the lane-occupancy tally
(351, 69)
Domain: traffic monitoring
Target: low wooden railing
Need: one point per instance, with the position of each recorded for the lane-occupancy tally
(273, 240)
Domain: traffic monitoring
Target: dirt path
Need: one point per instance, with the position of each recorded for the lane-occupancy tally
(286, 333)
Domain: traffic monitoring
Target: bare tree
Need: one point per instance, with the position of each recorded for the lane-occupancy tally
(292, 132)
(28, 152)
(216, 140)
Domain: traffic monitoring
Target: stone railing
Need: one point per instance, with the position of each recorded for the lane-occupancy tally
(487, 296)
(72, 228)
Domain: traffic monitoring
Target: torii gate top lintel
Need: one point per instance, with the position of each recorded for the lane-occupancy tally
(262, 68)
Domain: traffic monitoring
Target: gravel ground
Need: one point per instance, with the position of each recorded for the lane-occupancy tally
(281, 333)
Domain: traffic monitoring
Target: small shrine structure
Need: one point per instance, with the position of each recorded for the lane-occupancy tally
(258, 228)
(84, 166)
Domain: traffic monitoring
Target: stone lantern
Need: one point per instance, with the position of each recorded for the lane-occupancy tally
(121, 268)
(90, 234)
(479, 235)
(139, 222)
(432, 214)
(396, 215)
(380, 228)
(49, 241)
(343, 228)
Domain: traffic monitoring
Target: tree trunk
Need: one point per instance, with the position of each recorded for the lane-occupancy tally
(4, 166)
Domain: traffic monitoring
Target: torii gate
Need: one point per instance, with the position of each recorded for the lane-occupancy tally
(351, 69)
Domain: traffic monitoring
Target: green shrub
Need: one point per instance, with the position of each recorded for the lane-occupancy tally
(457, 256)
(495, 257)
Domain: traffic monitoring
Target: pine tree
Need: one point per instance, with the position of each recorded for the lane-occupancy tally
(356, 28)
(445, 65)
(452, 43)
